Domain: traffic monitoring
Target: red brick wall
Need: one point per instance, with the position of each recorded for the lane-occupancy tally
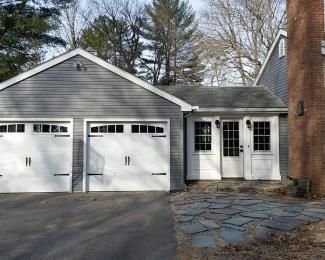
(306, 82)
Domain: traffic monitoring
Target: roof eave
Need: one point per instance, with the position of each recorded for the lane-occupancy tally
(243, 110)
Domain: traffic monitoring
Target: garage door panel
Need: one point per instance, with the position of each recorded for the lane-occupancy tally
(131, 161)
(9, 184)
(34, 161)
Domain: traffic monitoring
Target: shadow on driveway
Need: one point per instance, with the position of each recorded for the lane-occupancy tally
(87, 226)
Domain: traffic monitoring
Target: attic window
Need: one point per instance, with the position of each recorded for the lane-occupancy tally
(282, 48)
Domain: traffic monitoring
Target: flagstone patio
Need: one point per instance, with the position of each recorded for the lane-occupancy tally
(217, 219)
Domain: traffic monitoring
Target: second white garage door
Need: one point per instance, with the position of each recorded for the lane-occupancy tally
(132, 156)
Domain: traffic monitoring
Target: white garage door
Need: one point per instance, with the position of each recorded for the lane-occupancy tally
(35, 157)
(128, 156)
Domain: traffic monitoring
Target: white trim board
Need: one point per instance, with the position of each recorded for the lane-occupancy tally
(184, 105)
(280, 33)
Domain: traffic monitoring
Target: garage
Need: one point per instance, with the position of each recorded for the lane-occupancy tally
(127, 156)
(35, 156)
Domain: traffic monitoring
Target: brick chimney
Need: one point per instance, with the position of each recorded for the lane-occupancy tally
(306, 91)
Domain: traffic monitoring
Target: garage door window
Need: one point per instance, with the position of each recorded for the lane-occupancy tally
(12, 128)
(49, 128)
(107, 129)
(144, 129)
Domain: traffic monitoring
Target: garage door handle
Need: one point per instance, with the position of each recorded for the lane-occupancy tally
(61, 174)
(94, 174)
(129, 160)
(26, 161)
(125, 160)
(95, 136)
(159, 136)
(29, 161)
(62, 136)
(160, 173)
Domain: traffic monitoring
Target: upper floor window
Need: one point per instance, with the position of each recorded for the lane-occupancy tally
(202, 136)
(262, 136)
(282, 48)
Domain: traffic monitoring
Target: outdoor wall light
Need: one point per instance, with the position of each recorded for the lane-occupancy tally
(217, 123)
(79, 66)
(249, 124)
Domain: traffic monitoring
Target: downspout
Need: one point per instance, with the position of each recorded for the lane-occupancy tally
(186, 115)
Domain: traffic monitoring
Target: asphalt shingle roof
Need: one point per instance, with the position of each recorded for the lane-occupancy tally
(226, 97)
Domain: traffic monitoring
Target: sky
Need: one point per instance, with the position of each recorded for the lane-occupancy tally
(197, 4)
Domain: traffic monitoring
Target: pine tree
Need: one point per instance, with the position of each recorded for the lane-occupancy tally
(25, 27)
(171, 36)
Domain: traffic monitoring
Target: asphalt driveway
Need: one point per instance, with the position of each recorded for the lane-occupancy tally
(86, 226)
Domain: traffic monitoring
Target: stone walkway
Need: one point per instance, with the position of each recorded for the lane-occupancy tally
(218, 219)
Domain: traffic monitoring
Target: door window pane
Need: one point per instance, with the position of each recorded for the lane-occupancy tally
(45, 128)
(202, 137)
(135, 128)
(20, 128)
(111, 128)
(3, 128)
(230, 133)
(63, 129)
(55, 129)
(262, 136)
(11, 128)
(143, 129)
(119, 128)
(103, 129)
(37, 128)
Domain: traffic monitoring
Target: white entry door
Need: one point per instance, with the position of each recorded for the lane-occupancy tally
(232, 149)
(35, 157)
(127, 156)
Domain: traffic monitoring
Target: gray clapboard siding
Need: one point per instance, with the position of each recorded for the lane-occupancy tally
(63, 92)
(275, 74)
(283, 128)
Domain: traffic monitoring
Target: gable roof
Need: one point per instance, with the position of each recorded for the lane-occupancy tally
(281, 33)
(48, 64)
(259, 99)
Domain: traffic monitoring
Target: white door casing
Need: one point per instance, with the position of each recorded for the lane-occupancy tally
(36, 162)
(232, 152)
(127, 161)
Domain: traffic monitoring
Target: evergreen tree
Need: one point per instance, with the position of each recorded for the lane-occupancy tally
(116, 33)
(25, 27)
(172, 43)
